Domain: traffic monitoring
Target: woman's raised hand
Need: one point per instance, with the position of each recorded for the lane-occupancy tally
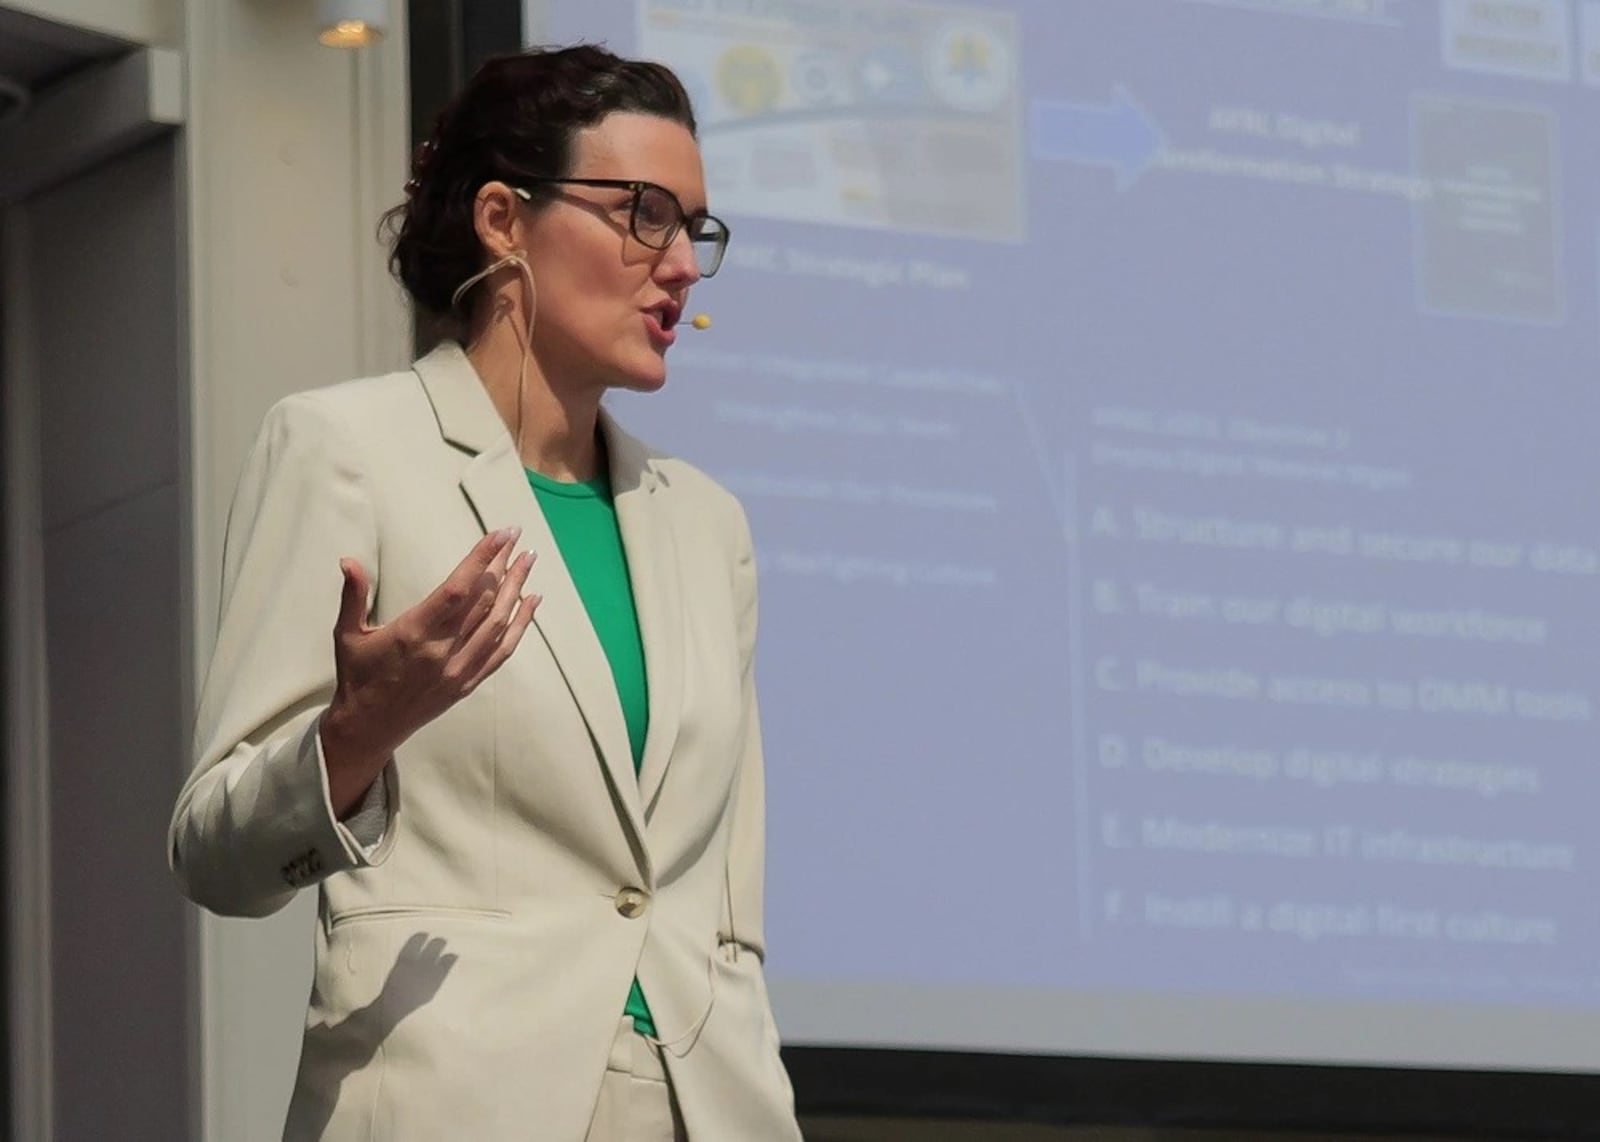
(393, 679)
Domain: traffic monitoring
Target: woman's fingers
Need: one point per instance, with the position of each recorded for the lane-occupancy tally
(453, 608)
(464, 586)
(503, 649)
(510, 593)
(482, 640)
(486, 596)
(427, 659)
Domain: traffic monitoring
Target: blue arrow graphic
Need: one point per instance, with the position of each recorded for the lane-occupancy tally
(1117, 134)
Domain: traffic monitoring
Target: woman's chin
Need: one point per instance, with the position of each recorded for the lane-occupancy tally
(643, 377)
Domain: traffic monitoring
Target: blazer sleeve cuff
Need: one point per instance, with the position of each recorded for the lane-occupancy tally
(367, 834)
(262, 826)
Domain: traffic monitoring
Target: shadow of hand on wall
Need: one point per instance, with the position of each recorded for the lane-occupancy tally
(345, 1047)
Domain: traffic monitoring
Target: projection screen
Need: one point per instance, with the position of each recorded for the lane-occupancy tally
(1167, 427)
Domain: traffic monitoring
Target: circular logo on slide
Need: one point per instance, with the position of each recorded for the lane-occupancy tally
(749, 79)
(969, 66)
(819, 79)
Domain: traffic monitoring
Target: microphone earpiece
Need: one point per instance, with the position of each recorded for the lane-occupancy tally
(701, 321)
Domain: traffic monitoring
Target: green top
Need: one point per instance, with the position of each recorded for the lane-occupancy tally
(583, 519)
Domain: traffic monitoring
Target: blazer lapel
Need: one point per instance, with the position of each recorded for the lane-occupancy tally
(647, 538)
(497, 488)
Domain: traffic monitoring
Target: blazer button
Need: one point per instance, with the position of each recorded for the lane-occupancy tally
(631, 903)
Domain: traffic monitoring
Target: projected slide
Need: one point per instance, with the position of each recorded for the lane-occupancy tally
(1168, 428)
(918, 131)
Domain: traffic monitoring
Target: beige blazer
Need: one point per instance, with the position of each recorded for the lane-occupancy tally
(472, 964)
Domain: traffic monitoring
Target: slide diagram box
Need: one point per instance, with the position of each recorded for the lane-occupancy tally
(1589, 41)
(881, 114)
(1381, 12)
(1488, 232)
(1529, 39)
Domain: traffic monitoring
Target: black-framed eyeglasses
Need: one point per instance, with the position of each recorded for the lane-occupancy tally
(656, 218)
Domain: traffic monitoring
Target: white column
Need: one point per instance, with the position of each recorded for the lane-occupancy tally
(294, 150)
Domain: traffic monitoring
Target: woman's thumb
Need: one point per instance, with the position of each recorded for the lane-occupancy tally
(353, 598)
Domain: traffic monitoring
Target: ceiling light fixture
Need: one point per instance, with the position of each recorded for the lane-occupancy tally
(351, 23)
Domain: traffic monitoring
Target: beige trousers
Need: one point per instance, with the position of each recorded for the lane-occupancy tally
(636, 1103)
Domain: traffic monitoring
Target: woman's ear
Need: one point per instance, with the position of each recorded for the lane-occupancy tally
(498, 219)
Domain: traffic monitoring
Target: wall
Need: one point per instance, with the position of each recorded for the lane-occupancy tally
(293, 152)
(100, 356)
(153, 308)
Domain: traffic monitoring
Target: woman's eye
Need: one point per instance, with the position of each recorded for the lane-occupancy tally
(655, 213)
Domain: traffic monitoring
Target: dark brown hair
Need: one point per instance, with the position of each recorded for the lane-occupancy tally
(514, 120)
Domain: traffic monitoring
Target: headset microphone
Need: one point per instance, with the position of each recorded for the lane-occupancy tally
(701, 321)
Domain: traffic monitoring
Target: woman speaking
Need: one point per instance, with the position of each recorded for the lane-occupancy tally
(484, 672)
